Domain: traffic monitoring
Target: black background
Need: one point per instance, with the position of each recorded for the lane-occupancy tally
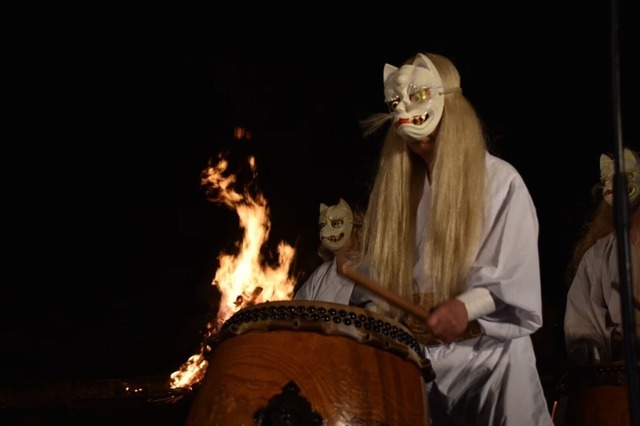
(115, 243)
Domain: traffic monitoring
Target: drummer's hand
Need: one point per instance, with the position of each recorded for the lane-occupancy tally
(448, 320)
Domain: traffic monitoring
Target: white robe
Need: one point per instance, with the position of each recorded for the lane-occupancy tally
(493, 379)
(325, 284)
(593, 310)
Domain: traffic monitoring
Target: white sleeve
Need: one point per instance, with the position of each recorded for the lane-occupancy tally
(507, 264)
(478, 302)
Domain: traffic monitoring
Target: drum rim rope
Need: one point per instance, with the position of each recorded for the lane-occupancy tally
(611, 373)
(331, 318)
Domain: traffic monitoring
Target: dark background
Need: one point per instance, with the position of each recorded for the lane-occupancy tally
(115, 243)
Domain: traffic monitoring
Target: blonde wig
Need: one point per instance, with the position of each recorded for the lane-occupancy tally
(599, 225)
(457, 208)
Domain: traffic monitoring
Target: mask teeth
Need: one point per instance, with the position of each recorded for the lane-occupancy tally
(334, 238)
(420, 119)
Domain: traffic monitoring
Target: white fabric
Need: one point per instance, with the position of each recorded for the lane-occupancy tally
(507, 263)
(593, 309)
(325, 284)
(478, 302)
(493, 379)
(483, 381)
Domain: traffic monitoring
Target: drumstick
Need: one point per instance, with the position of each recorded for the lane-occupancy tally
(390, 296)
(636, 302)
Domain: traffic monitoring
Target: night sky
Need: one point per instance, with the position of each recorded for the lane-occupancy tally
(119, 241)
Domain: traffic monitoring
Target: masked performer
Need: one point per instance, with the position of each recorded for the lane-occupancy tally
(339, 236)
(453, 228)
(593, 317)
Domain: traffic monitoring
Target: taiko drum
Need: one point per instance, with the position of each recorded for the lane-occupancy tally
(594, 395)
(312, 363)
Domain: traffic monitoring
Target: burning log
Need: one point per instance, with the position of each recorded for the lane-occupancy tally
(243, 301)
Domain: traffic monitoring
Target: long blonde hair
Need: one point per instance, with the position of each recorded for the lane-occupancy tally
(600, 223)
(458, 181)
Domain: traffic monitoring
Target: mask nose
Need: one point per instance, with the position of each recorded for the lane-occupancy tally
(401, 107)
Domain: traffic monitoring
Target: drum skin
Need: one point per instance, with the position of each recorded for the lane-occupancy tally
(334, 364)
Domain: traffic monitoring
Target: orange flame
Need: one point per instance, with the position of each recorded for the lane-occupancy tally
(243, 279)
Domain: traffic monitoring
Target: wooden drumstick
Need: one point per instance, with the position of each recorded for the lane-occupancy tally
(390, 296)
(636, 302)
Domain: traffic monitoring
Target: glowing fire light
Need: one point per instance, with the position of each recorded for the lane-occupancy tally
(243, 279)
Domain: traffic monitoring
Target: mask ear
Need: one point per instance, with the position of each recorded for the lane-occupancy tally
(388, 70)
(605, 161)
(423, 61)
(323, 208)
(343, 204)
(630, 159)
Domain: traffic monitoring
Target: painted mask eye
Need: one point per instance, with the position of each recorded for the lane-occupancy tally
(337, 223)
(321, 225)
(421, 95)
(392, 105)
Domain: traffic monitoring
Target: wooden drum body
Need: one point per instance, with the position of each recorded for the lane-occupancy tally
(595, 395)
(312, 363)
